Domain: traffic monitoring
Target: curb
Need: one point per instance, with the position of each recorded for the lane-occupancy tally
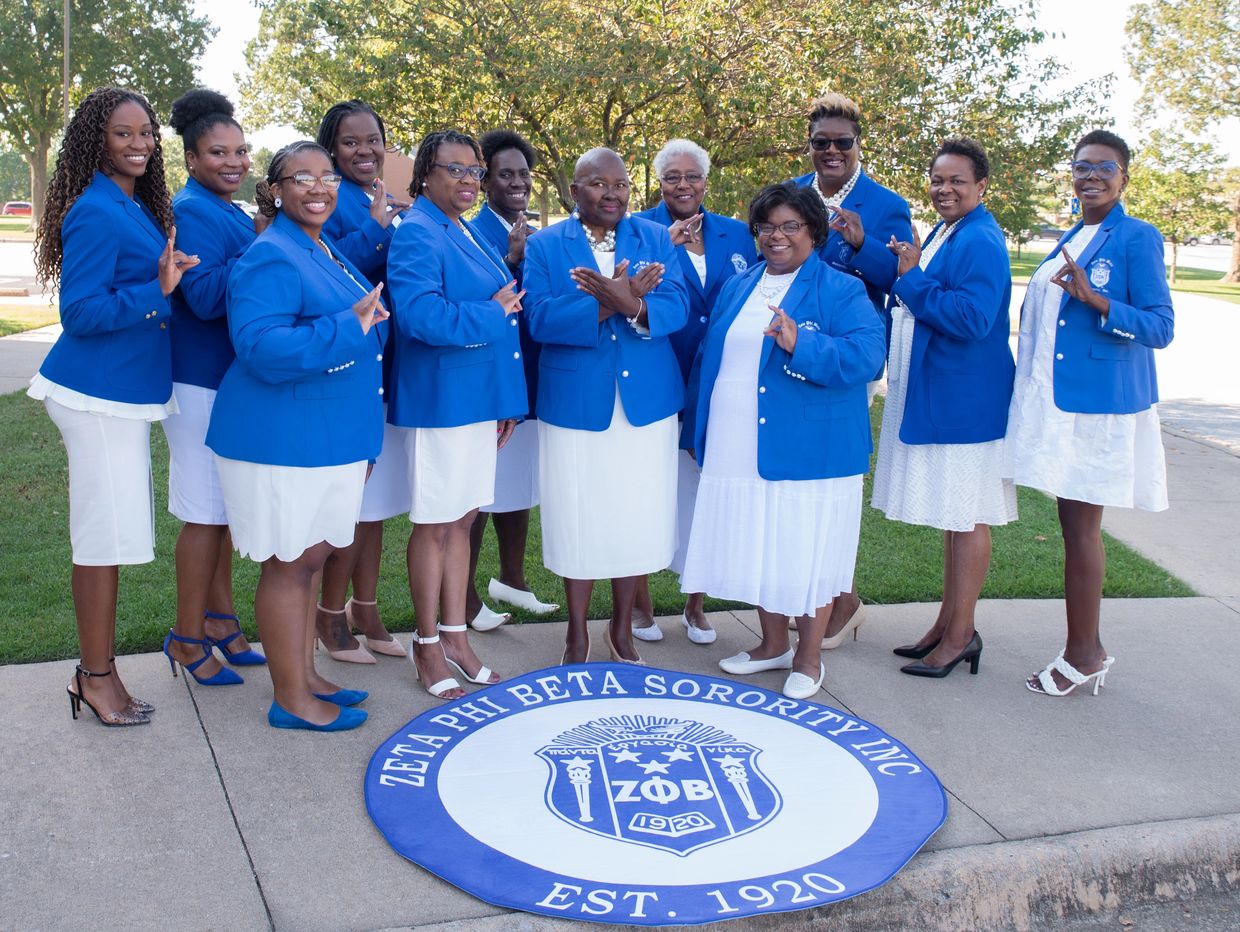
(1017, 885)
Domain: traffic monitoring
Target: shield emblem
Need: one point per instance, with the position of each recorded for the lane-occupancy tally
(739, 263)
(672, 784)
(1100, 273)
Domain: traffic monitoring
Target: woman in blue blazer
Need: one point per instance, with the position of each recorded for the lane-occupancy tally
(1084, 418)
(605, 294)
(216, 230)
(781, 430)
(458, 387)
(362, 227)
(509, 159)
(107, 237)
(297, 419)
(949, 382)
(711, 249)
(864, 217)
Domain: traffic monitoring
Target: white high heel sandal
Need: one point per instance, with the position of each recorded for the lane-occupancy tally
(483, 677)
(1046, 680)
(435, 689)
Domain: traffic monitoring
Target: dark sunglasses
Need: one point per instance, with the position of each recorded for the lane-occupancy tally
(841, 143)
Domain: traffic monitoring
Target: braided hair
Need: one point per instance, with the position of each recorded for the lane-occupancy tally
(196, 111)
(82, 154)
(264, 197)
(329, 126)
(428, 151)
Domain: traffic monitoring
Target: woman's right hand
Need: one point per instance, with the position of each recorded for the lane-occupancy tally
(686, 231)
(848, 224)
(369, 310)
(509, 298)
(172, 265)
(383, 208)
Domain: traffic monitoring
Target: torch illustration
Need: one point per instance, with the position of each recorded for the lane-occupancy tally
(579, 777)
(734, 771)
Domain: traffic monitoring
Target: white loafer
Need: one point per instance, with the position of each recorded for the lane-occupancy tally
(800, 686)
(520, 598)
(487, 620)
(696, 635)
(740, 664)
(651, 632)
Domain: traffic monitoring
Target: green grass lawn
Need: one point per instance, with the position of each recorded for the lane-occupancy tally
(896, 563)
(1192, 280)
(17, 318)
(15, 228)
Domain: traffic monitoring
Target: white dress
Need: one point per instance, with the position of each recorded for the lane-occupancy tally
(789, 546)
(688, 473)
(608, 497)
(950, 486)
(1103, 459)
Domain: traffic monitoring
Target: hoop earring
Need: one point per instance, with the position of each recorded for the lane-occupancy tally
(279, 203)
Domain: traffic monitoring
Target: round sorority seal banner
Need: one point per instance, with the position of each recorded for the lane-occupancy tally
(616, 793)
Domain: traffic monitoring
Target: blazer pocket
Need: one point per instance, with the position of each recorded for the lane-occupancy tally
(1110, 349)
(455, 359)
(558, 359)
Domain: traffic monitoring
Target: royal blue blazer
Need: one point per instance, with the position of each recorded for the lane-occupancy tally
(217, 232)
(884, 214)
(458, 358)
(961, 370)
(115, 343)
(357, 235)
(729, 251)
(813, 419)
(584, 360)
(305, 388)
(1107, 366)
(494, 232)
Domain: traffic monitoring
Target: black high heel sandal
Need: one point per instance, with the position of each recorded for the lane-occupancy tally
(972, 653)
(111, 719)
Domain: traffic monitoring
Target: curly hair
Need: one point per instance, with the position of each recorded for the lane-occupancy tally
(801, 198)
(496, 141)
(970, 149)
(196, 111)
(81, 155)
(329, 126)
(428, 151)
(263, 196)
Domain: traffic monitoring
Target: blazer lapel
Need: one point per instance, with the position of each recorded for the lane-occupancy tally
(577, 250)
(715, 238)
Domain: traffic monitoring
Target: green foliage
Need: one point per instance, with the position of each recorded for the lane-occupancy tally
(735, 75)
(14, 177)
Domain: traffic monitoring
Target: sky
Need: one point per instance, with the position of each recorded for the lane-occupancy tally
(1087, 36)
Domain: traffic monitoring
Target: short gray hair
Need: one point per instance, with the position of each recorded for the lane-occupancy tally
(677, 147)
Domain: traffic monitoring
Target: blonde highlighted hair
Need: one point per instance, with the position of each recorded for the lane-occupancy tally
(830, 106)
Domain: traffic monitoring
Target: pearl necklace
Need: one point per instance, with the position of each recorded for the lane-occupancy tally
(836, 199)
(770, 285)
(609, 240)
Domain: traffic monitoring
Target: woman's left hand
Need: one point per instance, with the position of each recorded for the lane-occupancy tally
(1072, 279)
(907, 254)
(503, 431)
(614, 293)
(783, 328)
(686, 231)
(384, 208)
(848, 224)
(647, 280)
(516, 242)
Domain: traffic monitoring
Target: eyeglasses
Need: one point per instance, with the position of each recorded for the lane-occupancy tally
(456, 171)
(307, 181)
(841, 143)
(1104, 170)
(788, 228)
(675, 178)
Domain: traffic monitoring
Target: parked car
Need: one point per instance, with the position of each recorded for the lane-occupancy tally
(1046, 231)
(17, 209)
(1210, 239)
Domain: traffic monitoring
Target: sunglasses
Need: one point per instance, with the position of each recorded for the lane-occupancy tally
(841, 143)
(1104, 170)
(456, 171)
(306, 180)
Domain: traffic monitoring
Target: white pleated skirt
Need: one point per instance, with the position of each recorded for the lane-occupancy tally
(516, 471)
(608, 497)
(451, 470)
(282, 511)
(111, 505)
(194, 493)
(387, 490)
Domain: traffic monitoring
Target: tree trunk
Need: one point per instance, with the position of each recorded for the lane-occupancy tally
(37, 160)
(544, 205)
(1233, 273)
(1175, 251)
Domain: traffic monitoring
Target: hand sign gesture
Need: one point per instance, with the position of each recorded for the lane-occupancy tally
(516, 241)
(783, 328)
(1072, 279)
(686, 231)
(908, 255)
(369, 310)
(172, 265)
(848, 224)
(509, 298)
(384, 208)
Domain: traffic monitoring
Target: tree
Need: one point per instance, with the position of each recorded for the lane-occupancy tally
(148, 47)
(1173, 185)
(14, 177)
(1186, 53)
(736, 75)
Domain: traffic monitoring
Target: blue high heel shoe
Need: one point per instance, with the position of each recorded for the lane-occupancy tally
(344, 697)
(240, 658)
(225, 677)
(348, 718)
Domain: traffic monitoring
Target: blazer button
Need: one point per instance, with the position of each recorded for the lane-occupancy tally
(625, 373)
(163, 326)
(516, 355)
(613, 338)
(379, 248)
(702, 319)
(761, 420)
(1063, 323)
(379, 358)
(380, 389)
(514, 322)
(1059, 355)
(761, 389)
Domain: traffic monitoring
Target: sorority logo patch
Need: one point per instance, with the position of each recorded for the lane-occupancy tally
(739, 263)
(1100, 272)
(622, 794)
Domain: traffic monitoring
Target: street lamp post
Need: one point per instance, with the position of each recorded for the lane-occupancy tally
(66, 74)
